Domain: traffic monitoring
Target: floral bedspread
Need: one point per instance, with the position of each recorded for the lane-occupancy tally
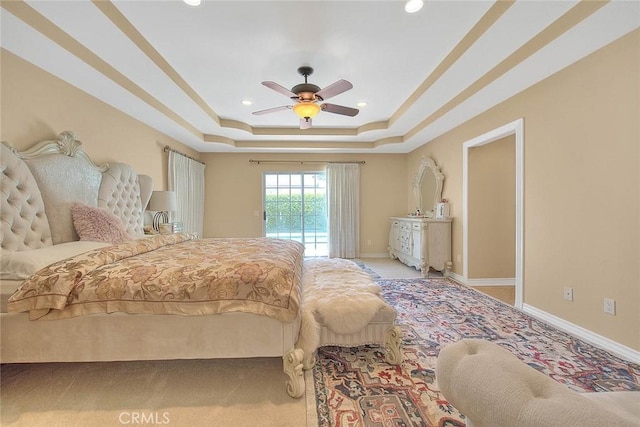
(170, 274)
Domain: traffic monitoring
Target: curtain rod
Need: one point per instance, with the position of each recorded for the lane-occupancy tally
(302, 162)
(167, 148)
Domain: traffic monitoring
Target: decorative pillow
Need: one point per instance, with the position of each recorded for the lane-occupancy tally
(97, 224)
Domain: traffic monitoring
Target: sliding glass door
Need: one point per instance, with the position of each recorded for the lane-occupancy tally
(295, 208)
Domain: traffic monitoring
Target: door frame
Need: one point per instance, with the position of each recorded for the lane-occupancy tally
(515, 128)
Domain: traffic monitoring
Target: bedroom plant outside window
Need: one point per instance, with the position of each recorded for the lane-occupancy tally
(295, 208)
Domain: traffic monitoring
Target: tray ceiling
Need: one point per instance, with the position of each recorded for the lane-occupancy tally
(185, 70)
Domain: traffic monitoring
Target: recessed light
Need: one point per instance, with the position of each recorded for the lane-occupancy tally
(412, 6)
(361, 104)
(246, 102)
(193, 2)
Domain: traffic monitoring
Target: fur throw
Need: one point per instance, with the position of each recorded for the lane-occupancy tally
(338, 294)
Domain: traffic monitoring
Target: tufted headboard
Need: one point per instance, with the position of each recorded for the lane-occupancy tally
(39, 186)
(120, 193)
(24, 223)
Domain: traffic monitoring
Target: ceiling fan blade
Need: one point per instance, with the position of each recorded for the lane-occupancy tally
(278, 88)
(339, 109)
(305, 123)
(334, 89)
(273, 110)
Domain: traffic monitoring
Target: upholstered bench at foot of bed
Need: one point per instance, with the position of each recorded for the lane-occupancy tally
(381, 330)
(345, 278)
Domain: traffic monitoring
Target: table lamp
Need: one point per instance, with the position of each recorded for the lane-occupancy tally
(162, 202)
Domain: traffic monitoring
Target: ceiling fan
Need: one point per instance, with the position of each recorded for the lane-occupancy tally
(307, 95)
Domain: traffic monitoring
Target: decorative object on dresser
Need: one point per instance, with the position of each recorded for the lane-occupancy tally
(442, 209)
(423, 239)
(162, 202)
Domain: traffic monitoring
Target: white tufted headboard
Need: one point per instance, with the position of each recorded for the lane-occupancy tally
(24, 223)
(120, 193)
(36, 208)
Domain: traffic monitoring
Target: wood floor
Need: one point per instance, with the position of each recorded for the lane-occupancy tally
(393, 269)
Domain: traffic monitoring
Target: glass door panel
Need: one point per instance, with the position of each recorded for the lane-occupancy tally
(295, 207)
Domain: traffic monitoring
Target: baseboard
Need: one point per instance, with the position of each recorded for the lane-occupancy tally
(374, 255)
(491, 282)
(458, 278)
(611, 346)
(482, 282)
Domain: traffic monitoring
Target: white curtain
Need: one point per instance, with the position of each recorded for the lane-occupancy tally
(343, 197)
(186, 178)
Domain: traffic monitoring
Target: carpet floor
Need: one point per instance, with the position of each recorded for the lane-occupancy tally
(207, 393)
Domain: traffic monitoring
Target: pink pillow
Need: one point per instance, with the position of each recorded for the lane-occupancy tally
(97, 224)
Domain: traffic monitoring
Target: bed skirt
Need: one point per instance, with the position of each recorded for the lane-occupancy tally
(120, 337)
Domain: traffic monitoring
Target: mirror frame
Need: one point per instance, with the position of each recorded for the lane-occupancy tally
(427, 163)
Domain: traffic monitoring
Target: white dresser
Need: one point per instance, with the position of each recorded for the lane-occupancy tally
(421, 243)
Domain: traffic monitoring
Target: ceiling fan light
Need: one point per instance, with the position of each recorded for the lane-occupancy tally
(412, 6)
(193, 2)
(306, 110)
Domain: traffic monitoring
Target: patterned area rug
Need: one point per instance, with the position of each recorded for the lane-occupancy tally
(355, 387)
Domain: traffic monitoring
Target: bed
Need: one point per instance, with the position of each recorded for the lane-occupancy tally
(50, 272)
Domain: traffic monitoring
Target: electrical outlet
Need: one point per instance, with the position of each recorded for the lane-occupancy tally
(610, 306)
(568, 293)
(458, 258)
(369, 242)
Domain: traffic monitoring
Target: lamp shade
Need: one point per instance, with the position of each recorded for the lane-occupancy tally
(306, 110)
(163, 201)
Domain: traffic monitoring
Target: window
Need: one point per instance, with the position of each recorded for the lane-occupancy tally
(295, 208)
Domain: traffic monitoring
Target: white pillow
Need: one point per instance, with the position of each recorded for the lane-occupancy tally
(19, 265)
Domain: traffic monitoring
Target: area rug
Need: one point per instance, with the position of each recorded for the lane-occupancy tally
(355, 387)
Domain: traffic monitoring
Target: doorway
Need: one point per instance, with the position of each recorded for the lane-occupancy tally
(295, 208)
(516, 129)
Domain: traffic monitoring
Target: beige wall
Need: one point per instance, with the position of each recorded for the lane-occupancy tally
(491, 205)
(37, 106)
(233, 206)
(581, 188)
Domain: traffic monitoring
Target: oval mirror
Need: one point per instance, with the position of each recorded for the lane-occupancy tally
(427, 186)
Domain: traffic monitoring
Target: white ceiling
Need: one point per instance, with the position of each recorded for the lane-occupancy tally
(185, 70)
